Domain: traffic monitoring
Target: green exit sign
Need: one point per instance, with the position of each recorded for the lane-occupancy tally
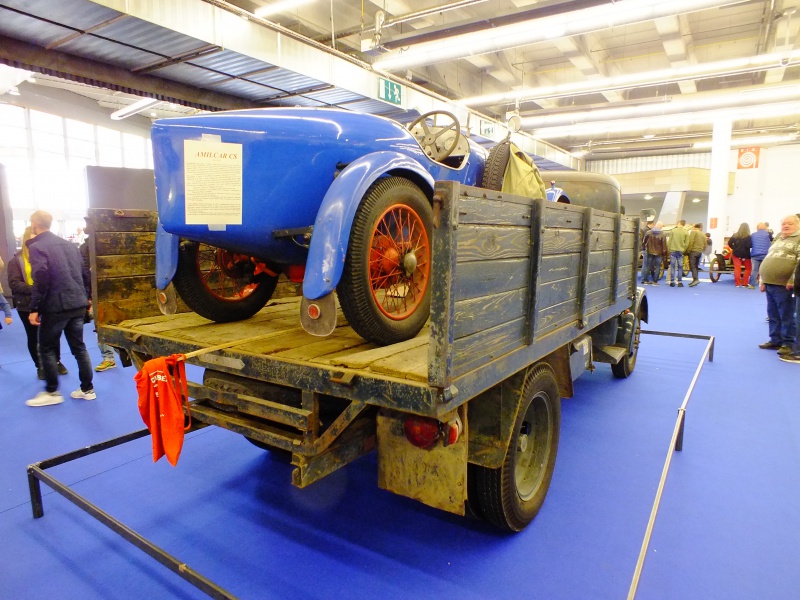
(390, 91)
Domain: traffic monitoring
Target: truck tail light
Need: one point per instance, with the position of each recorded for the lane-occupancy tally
(423, 432)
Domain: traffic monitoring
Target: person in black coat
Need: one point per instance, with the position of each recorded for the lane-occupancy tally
(59, 300)
(21, 283)
(740, 244)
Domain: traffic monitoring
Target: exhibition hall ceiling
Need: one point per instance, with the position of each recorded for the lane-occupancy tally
(598, 78)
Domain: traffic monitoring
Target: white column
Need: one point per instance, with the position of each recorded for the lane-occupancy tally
(672, 208)
(718, 184)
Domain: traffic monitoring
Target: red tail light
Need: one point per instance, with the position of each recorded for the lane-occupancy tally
(423, 432)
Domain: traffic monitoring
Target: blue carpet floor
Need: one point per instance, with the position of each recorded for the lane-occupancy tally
(728, 526)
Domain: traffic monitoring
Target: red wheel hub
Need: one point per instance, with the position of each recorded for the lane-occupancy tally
(399, 262)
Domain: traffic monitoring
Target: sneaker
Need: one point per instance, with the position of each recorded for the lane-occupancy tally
(680, 284)
(769, 346)
(751, 287)
(694, 283)
(45, 399)
(791, 358)
(105, 366)
(79, 394)
(62, 370)
(785, 350)
(672, 284)
(40, 374)
(655, 283)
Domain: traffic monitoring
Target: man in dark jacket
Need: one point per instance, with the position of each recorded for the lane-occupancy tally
(655, 251)
(59, 300)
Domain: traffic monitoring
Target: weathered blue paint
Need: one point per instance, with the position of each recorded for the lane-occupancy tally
(291, 158)
(166, 256)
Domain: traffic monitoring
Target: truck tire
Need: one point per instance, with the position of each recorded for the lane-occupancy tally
(510, 497)
(624, 367)
(385, 286)
(495, 168)
(220, 285)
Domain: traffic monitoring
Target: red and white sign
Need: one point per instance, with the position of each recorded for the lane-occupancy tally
(748, 158)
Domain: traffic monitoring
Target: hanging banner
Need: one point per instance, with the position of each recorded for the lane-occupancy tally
(748, 158)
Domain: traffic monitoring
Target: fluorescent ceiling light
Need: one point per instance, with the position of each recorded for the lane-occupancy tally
(632, 80)
(134, 108)
(648, 197)
(752, 141)
(279, 7)
(695, 200)
(587, 20)
(601, 128)
(669, 106)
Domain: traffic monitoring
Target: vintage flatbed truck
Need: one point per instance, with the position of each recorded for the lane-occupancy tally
(465, 417)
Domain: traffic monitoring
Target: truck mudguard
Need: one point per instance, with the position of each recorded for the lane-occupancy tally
(331, 234)
(166, 256)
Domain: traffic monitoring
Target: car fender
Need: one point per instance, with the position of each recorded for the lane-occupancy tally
(166, 256)
(328, 247)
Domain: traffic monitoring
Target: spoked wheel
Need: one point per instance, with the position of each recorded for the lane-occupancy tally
(385, 286)
(510, 497)
(221, 285)
(716, 268)
(624, 368)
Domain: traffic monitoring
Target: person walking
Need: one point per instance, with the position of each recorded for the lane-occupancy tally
(21, 282)
(676, 243)
(59, 300)
(647, 227)
(655, 250)
(740, 244)
(759, 246)
(695, 244)
(777, 273)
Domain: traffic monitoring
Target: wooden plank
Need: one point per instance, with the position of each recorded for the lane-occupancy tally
(554, 292)
(476, 279)
(109, 312)
(111, 243)
(476, 350)
(603, 221)
(601, 240)
(127, 265)
(558, 315)
(535, 264)
(409, 364)
(481, 211)
(492, 242)
(628, 225)
(106, 219)
(141, 287)
(559, 267)
(443, 266)
(564, 216)
(488, 311)
(557, 240)
(360, 360)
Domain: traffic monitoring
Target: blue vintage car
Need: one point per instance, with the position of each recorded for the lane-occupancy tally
(338, 200)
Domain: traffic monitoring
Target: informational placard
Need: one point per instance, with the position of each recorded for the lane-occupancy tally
(212, 182)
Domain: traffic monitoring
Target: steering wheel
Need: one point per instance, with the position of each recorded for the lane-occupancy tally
(429, 137)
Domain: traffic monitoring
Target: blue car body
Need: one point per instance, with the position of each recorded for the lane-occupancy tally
(299, 168)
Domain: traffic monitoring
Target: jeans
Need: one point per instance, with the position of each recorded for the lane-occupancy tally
(738, 278)
(71, 323)
(675, 267)
(644, 267)
(754, 274)
(780, 309)
(107, 352)
(653, 266)
(694, 258)
(796, 347)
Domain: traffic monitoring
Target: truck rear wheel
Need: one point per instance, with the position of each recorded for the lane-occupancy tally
(624, 367)
(510, 497)
(220, 285)
(385, 286)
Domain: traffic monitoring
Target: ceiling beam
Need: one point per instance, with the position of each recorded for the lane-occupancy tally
(35, 58)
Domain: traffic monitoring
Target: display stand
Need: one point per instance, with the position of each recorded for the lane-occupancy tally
(36, 474)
